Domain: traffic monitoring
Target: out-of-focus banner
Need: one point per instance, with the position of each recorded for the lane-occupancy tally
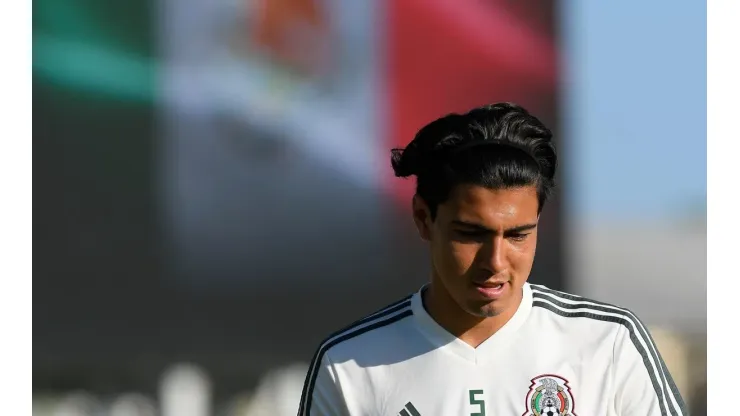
(280, 116)
(215, 183)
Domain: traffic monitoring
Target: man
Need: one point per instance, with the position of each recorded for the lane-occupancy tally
(478, 339)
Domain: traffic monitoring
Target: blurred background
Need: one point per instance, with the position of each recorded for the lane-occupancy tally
(214, 195)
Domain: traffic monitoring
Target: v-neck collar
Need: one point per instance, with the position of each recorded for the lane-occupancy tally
(487, 350)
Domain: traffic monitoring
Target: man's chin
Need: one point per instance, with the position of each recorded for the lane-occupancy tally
(488, 310)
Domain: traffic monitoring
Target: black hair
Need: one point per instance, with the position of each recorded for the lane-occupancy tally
(497, 146)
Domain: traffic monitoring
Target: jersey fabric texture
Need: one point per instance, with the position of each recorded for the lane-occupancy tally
(559, 354)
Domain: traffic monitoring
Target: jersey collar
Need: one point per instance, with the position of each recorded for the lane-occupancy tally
(489, 349)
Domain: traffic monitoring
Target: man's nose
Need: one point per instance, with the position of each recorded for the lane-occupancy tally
(493, 255)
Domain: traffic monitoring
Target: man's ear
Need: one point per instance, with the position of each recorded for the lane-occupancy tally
(422, 217)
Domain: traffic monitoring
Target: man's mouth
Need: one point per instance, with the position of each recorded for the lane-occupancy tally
(491, 290)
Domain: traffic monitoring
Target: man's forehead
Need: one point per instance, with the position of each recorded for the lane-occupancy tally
(482, 204)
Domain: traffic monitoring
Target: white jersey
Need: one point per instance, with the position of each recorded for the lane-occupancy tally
(558, 355)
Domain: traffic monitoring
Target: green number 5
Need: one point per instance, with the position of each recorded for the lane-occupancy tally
(479, 402)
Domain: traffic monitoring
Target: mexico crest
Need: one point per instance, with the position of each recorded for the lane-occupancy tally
(549, 395)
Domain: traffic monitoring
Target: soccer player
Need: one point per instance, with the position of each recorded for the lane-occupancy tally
(478, 339)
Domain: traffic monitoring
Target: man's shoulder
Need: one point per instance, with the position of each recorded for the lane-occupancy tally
(573, 308)
(371, 330)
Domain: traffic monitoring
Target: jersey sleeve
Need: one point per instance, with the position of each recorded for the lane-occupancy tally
(643, 385)
(322, 395)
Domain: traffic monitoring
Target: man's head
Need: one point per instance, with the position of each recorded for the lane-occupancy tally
(482, 181)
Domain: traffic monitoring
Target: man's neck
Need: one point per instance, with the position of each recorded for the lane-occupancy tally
(471, 329)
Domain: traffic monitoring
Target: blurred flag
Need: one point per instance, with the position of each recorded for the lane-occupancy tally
(273, 105)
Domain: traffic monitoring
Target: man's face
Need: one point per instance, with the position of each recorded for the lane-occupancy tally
(482, 245)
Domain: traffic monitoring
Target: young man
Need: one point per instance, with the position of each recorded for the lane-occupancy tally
(478, 339)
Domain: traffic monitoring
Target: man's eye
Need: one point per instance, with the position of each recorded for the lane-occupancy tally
(518, 237)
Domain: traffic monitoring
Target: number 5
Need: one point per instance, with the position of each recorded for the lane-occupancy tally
(479, 402)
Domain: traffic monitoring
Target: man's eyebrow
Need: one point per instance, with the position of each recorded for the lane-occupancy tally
(471, 225)
(517, 229)
(520, 228)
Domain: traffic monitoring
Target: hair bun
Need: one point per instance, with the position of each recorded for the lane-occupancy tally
(405, 162)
